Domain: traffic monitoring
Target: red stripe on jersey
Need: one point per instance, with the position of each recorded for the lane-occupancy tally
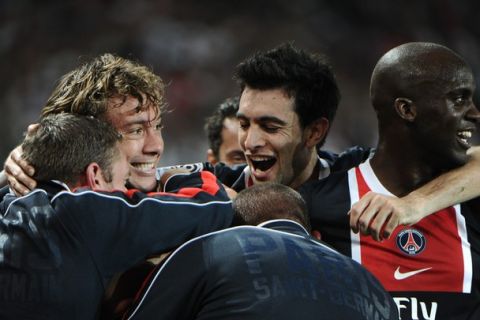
(131, 192)
(438, 267)
(210, 184)
(188, 194)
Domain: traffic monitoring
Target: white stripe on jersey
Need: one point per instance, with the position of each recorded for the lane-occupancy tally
(376, 186)
(467, 254)
(354, 197)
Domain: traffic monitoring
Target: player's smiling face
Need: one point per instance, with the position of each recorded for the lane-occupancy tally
(270, 136)
(142, 139)
(447, 117)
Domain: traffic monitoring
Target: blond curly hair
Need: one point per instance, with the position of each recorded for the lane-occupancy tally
(87, 89)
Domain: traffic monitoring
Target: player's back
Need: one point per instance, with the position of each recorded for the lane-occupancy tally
(272, 272)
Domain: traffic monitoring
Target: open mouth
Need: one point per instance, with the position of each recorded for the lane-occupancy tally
(463, 137)
(262, 163)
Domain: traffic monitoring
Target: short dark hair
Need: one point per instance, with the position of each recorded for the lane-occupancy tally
(266, 201)
(214, 123)
(305, 76)
(64, 144)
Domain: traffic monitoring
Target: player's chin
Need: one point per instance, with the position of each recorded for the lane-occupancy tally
(142, 183)
(461, 158)
(455, 159)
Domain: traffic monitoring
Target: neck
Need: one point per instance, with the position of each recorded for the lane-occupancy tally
(310, 172)
(401, 168)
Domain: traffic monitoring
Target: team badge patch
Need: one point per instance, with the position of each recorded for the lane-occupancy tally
(191, 168)
(411, 241)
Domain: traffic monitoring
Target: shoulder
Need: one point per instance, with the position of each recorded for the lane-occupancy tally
(328, 201)
(91, 201)
(12, 206)
(215, 247)
(347, 159)
(332, 184)
(89, 195)
(327, 194)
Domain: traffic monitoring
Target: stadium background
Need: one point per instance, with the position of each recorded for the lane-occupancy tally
(195, 45)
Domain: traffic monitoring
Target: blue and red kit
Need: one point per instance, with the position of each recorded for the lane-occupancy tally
(431, 268)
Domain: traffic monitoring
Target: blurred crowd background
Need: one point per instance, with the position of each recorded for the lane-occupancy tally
(195, 45)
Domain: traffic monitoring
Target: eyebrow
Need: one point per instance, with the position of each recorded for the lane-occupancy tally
(236, 151)
(461, 91)
(264, 119)
(143, 120)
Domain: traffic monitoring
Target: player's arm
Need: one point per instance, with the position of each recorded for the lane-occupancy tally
(122, 229)
(195, 185)
(226, 174)
(379, 215)
(164, 174)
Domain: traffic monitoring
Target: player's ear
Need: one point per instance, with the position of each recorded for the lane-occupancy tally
(405, 108)
(94, 176)
(211, 157)
(316, 132)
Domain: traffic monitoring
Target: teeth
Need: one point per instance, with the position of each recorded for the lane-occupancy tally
(464, 134)
(260, 158)
(143, 166)
(262, 163)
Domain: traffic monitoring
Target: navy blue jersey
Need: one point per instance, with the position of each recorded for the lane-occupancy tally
(276, 271)
(430, 268)
(58, 250)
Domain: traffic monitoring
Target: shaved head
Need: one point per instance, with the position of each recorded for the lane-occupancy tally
(422, 94)
(410, 69)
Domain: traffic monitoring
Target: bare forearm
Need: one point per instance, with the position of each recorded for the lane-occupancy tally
(376, 212)
(453, 187)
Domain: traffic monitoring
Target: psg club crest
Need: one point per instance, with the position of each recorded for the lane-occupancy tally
(411, 241)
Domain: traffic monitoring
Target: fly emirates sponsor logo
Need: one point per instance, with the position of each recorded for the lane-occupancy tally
(418, 309)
